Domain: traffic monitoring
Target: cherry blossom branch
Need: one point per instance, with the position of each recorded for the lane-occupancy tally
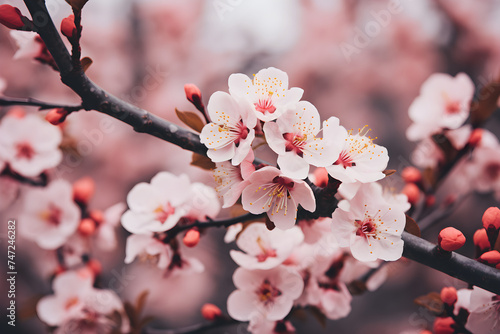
(12, 101)
(41, 181)
(95, 98)
(172, 233)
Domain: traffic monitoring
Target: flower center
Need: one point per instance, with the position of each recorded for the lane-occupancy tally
(265, 106)
(267, 292)
(24, 151)
(295, 142)
(163, 212)
(52, 215)
(492, 170)
(345, 160)
(453, 107)
(71, 302)
(366, 228)
(266, 252)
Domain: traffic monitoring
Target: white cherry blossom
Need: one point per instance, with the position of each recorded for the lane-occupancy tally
(370, 226)
(360, 159)
(49, 215)
(29, 144)
(230, 135)
(293, 138)
(267, 93)
(149, 249)
(264, 249)
(484, 311)
(269, 293)
(272, 192)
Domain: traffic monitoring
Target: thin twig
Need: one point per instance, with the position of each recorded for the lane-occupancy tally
(13, 101)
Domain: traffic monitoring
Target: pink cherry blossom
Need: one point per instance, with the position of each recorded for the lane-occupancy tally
(269, 293)
(370, 226)
(360, 159)
(260, 325)
(157, 206)
(484, 169)
(203, 202)
(49, 215)
(272, 192)
(29, 144)
(28, 43)
(230, 135)
(484, 311)
(267, 93)
(78, 306)
(232, 232)
(105, 236)
(293, 137)
(9, 190)
(148, 249)
(264, 249)
(443, 103)
(231, 179)
(315, 229)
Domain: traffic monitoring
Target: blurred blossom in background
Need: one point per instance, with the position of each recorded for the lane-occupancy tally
(361, 61)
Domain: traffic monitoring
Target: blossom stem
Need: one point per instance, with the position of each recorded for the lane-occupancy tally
(12, 101)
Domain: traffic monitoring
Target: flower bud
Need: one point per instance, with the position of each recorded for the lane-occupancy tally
(11, 17)
(320, 177)
(211, 312)
(425, 332)
(430, 200)
(83, 190)
(444, 326)
(56, 116)
(191, 238)
(449, 295)
(411, 175)
(412, 192)
(450, 239)
(193, 94)
(491, 258)
(95, 266)
(475, 137)
(481, 239)
(68, 27)
(86, 227)
(491, 218)
(97, 216)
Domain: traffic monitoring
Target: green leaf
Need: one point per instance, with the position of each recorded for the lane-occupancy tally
(191, 119)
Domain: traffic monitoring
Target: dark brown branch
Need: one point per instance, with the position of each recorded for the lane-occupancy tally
(95, 98)
(12, 101)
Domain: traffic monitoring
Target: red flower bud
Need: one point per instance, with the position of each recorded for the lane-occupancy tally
(68, 27)
(411, 175)
(444, 326)
(56, 116)
(449, 295)
(83, 190)
(11, 17)
(451, 239)
(94, 266)
(193, 94)
(211, 312)
(191, 238)
(86, 227)
(475, 137)
(425, 332)
(97, 216)
(491, 218)
(321, 177)
(491, 257)
(430, 200)
(481, 239)
(412, 192)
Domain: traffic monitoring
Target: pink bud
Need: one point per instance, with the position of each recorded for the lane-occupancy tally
(11, 17)
(444, 326)
(430, 200)
(94, 266)
(321, 177)
(412, 192)
(491, 257)
(475, 137)
(193, 94)
(97, 216)
(83, 190)
(411, 175)
(86, 227)
(56, 116)
(481, 239)
(191, 238)
(68, 27)
(491, 218)
(451, 239)
(449, 295)
(211, 312)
